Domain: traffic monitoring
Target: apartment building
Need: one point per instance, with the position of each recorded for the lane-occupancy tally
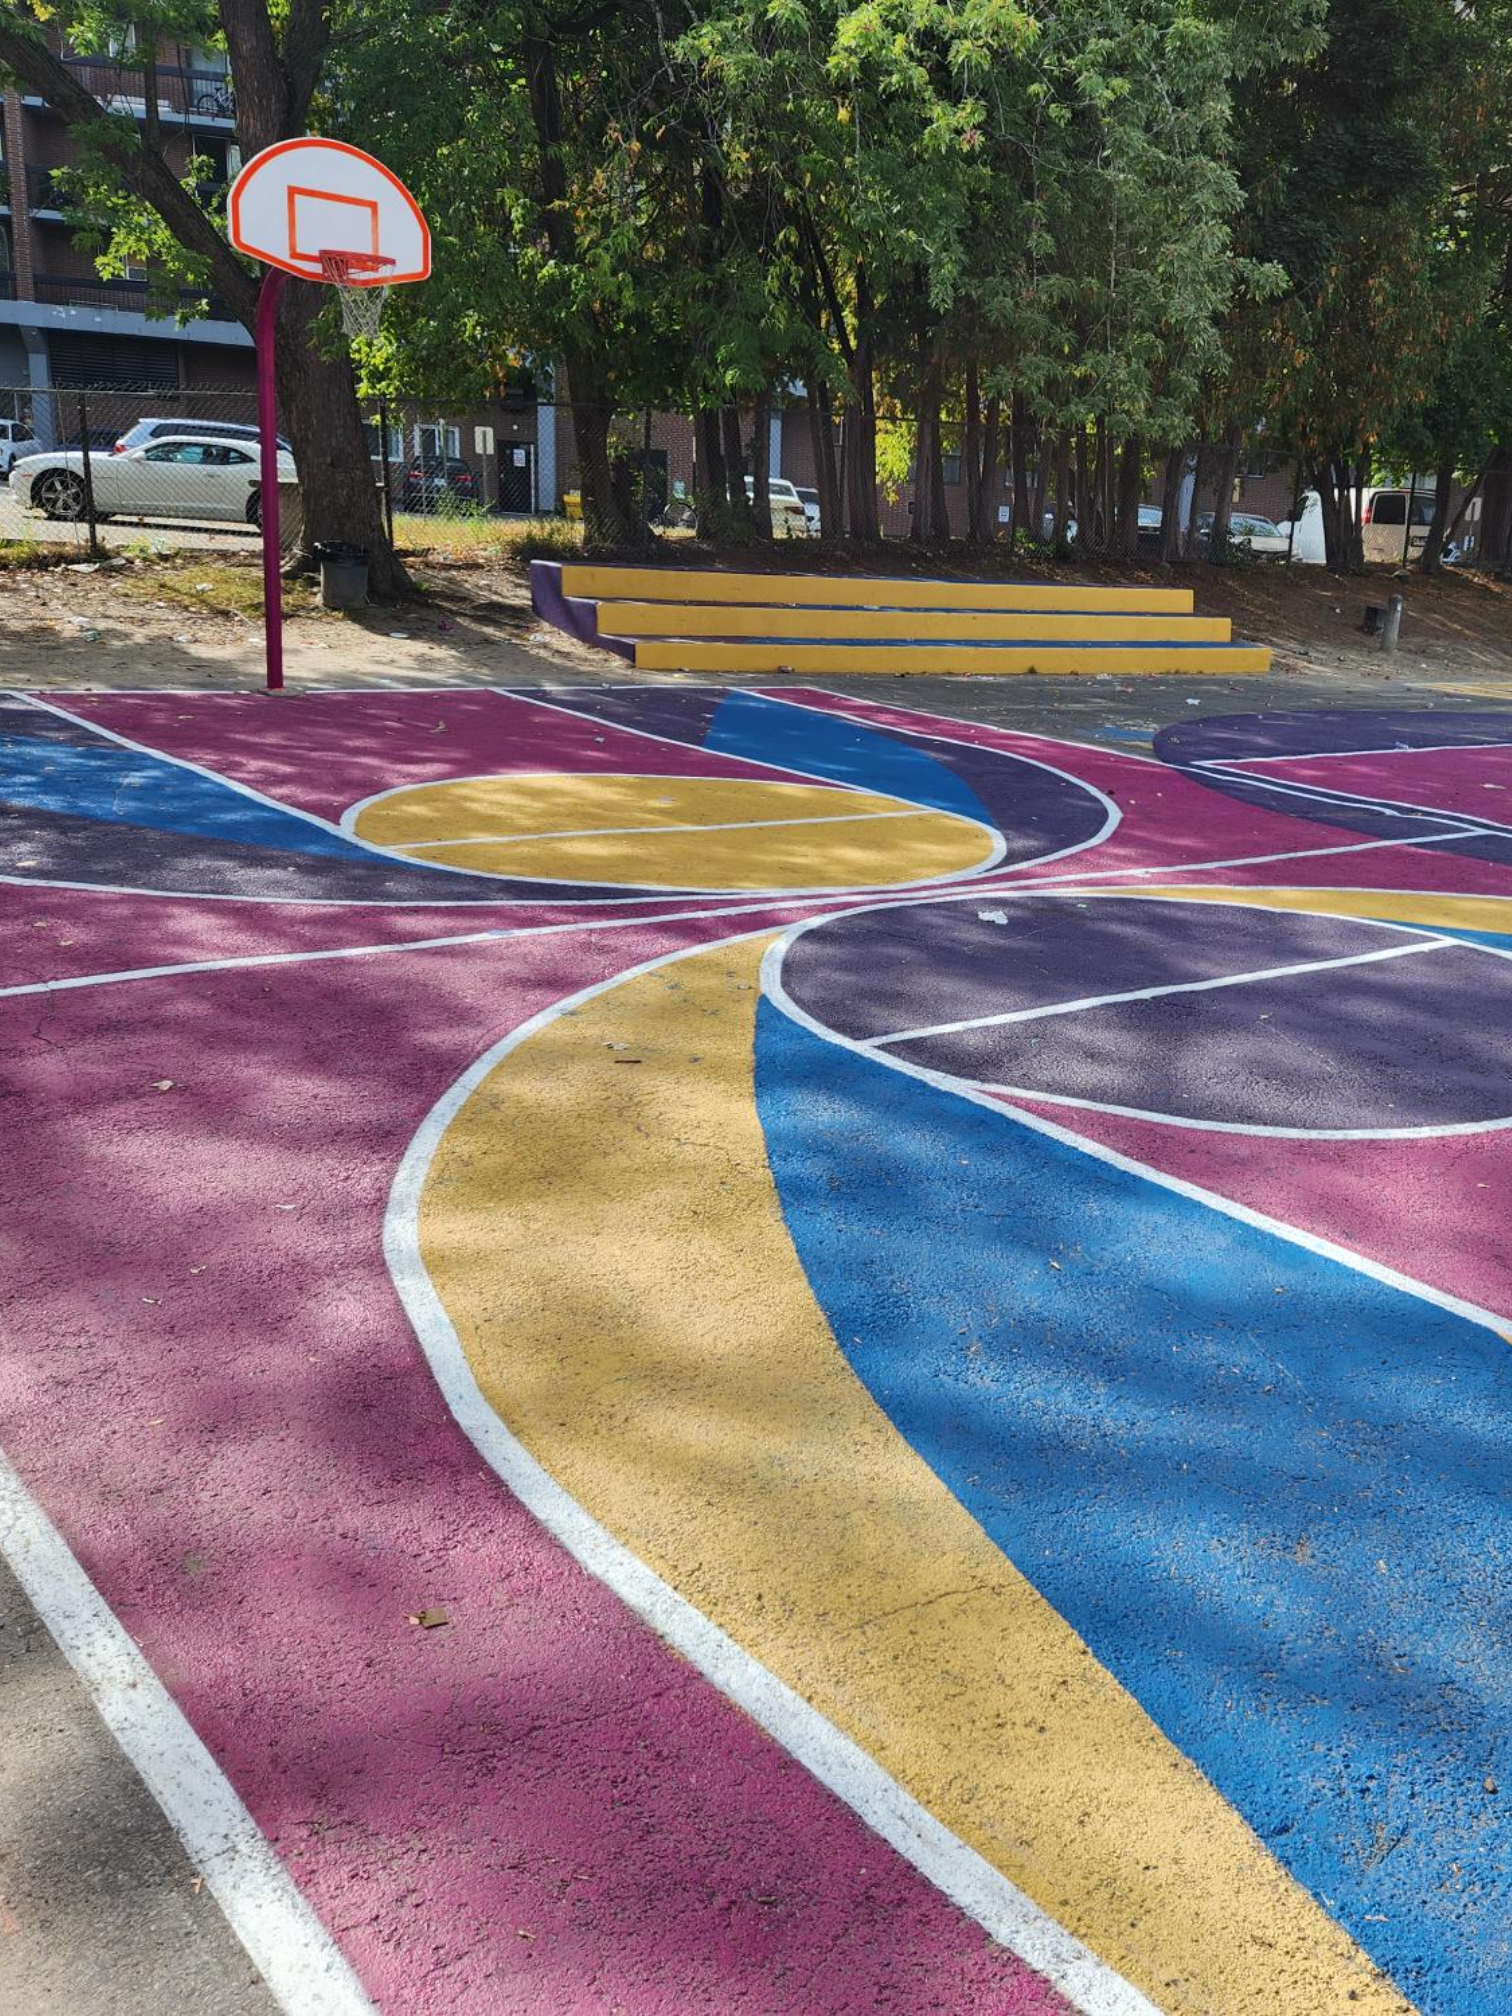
(60, 323)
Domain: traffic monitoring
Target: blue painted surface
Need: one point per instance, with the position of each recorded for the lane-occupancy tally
(127, 787)
(1269, 1491)
(767, 731)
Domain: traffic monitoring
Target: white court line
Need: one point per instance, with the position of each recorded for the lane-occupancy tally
(1329, 800)
(1010, 1917)
(228, 783)
(843, 898)
(776, 992)
(692, 826)
(955, 721)
(1158, 993)
(868, 1046)
(295, 1954)
(1339, 755)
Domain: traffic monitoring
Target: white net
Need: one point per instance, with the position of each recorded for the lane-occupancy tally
(355, 276)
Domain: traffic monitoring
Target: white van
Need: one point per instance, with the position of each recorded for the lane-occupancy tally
(1308, 544)
(15, 442)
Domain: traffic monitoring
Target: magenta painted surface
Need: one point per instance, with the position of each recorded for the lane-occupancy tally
(211, 1387)
(302, 750)
(1475, 781)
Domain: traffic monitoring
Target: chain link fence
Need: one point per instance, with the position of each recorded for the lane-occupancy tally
(110, 470)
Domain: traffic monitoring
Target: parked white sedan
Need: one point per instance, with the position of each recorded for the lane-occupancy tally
(182, 476)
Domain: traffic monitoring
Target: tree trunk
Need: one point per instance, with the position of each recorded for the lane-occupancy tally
(1021, 526)
(924, 448)
(1130, 468)
(1430, 558)
(826, 472)
(606, 521)
(710, 490)
(937, 520)
(742, 515)
(1170, 506)
(1062, 490)
(1089, 532)
(317, 402)
(1040, 502)
(761, 464)
(986, 476)
(1223, 502)
(1193, 544)
(971, 453)
(1496, 517)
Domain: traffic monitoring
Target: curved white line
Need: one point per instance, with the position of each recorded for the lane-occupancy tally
(979, 1088)
(997, 848)
(227, 783)
(305, 1970)
(1112, 815)
(772, 986)
(968, 1879)
(960, 721)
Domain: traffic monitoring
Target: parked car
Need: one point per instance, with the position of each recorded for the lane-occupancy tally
(184, 477)
(15, 443)
(430, 482)
(1151, 518)
(158, 430)
(1248, 529)
(1383, 522)
(810, 501)
(789, 519)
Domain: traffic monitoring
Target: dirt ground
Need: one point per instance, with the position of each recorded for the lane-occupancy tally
(192, 621)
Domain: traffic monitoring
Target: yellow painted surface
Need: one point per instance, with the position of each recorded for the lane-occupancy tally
(608, 1241)
(674, 832)
(702, 619)
(695, 584)
(698, 656)
(1397, 906)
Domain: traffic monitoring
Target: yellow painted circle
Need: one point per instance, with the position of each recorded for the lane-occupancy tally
(673, 832)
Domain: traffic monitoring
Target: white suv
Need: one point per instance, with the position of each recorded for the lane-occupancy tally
(15, 441)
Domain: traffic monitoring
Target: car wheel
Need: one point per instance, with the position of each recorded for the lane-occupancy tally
(254, 509)
(60, 493)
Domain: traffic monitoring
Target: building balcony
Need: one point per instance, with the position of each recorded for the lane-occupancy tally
(41, 193)
(70, 290)
(195, 96)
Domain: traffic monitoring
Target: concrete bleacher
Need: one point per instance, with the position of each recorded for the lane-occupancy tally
(670, 619)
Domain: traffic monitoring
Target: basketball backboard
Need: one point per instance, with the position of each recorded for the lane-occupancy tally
(300, 201)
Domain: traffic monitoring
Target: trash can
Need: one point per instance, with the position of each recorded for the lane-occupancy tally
(343, 574)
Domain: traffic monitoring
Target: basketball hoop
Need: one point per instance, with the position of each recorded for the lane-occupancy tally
(358, 280)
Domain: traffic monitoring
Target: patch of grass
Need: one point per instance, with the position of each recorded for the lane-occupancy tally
(216, 588)
(481, 538)
(16, 554)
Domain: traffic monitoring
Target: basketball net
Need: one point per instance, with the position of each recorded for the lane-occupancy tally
(355, 276)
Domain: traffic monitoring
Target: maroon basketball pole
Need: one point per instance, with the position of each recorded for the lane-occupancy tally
(267, 427)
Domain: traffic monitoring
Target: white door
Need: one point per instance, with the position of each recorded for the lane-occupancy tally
(171, 479)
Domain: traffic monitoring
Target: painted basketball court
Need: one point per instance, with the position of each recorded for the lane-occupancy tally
(676, 1348)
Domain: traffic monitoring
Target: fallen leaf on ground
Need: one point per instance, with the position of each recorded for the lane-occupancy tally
(429, 1619)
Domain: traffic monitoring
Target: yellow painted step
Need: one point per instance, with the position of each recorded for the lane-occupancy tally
(702, 619)
(693, 584)
(696, 655)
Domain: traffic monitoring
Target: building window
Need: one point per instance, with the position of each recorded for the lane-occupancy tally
(950, 463)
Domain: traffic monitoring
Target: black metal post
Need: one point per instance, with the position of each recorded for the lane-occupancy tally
(89, 496)
(388, 474)
(1411, 507)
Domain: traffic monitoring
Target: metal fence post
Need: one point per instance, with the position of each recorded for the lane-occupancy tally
(388, 474)
(89, 496)
(1411, 508)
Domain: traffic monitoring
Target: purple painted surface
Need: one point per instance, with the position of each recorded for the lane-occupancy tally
(911, 966)
(1414, 1042)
